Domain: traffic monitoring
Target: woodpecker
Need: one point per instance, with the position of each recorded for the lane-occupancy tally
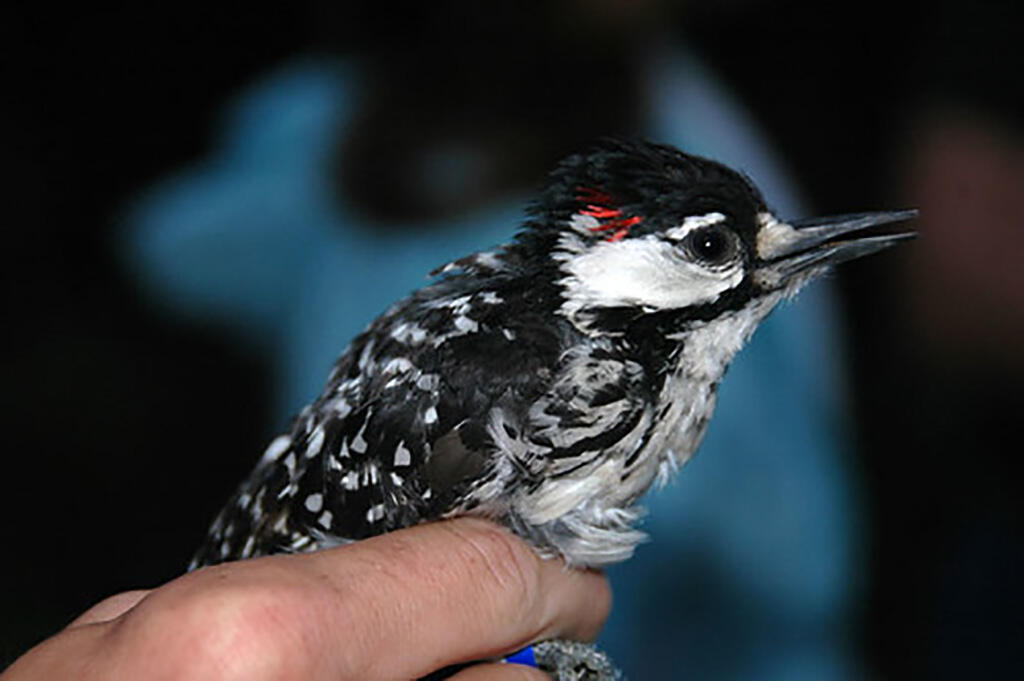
(546, 384)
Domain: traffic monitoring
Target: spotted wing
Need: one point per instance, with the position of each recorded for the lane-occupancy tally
(400, 434)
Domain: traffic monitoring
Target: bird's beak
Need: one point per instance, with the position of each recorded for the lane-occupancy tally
(789, 249)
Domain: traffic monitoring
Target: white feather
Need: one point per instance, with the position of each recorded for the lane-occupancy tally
(647, 271)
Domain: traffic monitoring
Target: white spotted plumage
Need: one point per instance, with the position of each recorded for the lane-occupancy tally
(549, 383)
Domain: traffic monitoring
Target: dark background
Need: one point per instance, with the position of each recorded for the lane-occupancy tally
(124, 431)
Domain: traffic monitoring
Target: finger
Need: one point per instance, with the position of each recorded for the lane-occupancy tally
(451, 592)
(500, 672)
(396, 606)
(110, 608)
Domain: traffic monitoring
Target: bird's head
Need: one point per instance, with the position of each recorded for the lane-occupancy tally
(642, 234)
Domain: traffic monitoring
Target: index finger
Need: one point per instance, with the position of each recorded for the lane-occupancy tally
(395, 606)
(453, 591)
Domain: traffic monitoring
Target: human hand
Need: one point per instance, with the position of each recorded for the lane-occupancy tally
(397, 606)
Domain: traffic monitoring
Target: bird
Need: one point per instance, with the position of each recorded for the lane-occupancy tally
(548, 383)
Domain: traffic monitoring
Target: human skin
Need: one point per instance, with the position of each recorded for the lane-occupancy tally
(396, 606)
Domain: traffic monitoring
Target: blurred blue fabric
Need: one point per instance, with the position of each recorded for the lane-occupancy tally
(755, 559)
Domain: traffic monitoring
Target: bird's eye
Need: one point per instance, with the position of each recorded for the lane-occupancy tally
(712, 245)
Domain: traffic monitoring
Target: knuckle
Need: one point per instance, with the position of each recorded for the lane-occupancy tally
(509, 568)
(225, 630)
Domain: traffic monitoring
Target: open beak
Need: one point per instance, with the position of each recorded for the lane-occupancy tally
(790, 249)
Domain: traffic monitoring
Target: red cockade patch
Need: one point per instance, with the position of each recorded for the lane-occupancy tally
(598, 205)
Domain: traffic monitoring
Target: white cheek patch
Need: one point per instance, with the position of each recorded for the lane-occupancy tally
(693, 222)
(774, 236)
(646, 272)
